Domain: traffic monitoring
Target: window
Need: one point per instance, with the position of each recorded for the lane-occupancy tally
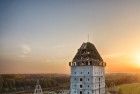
(81, 86)
(80, 92)
(86, 63)
(90, 62)
(88, 92)
(88, 72)
(81, 72)
(81, 79)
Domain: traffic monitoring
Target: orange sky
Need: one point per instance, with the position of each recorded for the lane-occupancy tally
(43, 36)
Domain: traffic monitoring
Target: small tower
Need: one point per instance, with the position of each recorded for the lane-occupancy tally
(38, 89)
(87, 71)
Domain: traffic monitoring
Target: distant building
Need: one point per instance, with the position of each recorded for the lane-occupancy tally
(87, 71)
(63, 92)
(38, 89)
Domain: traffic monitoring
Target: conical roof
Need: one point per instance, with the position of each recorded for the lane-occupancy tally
(87, 50)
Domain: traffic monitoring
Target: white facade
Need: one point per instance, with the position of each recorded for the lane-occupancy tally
(87, 77)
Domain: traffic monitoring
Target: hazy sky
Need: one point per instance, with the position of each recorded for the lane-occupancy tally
(42, 36)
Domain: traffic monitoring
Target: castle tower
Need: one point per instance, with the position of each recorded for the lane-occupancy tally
(38, 89)
(87, 71)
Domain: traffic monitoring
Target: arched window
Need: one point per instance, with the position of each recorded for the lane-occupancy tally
(81, 86)
(81, 79)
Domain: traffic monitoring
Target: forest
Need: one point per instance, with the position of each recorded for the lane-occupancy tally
(26, 82)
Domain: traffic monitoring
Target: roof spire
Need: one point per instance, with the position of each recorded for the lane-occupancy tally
(92, 37)
(88, 37)
(38, 89)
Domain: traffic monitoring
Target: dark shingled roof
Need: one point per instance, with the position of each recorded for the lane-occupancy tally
(87, 50)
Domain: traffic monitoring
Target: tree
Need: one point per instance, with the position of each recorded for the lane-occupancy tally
(1, 83)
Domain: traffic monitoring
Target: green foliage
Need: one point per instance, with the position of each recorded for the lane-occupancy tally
(27, 82)
(129, 88)
(121, 78)
(1, 84)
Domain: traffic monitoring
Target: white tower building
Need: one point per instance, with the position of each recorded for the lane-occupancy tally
(87, 71)
(38, 89)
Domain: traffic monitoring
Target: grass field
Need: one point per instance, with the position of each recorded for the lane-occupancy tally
(129, 88)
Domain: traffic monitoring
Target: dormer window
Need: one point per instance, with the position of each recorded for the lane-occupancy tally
(90, 62)
(86, 63)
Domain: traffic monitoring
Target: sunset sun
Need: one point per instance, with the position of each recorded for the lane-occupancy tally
(137, 59)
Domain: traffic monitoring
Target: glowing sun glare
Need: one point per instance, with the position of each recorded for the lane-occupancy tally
(137, 59)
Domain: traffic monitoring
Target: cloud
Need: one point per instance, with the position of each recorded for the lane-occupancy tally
(25, 50)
